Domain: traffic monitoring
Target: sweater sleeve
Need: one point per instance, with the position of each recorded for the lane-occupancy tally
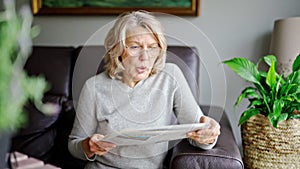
(85, 122)
(186, 108)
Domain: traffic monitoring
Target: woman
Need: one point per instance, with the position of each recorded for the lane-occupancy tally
(138, 90)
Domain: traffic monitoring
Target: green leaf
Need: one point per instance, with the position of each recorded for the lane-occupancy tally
(283, 117)
(34, 87)
(248, 92)
(276, 115)
(269, 59)
(295, 116)
(271, 77)
(285, 89)
(273, 119)
(296, 64)
(278, 85)
(297, 97)
(256, 102)
(239, 99)
(298, 89)
(294, 77)
(244, 68)
(293, 89)
(277, 108)
(263, 74)
(248, 114)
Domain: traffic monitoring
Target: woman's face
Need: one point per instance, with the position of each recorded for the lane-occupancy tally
(142, 49)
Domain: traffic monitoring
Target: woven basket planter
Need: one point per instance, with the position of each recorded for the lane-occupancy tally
(268, 147)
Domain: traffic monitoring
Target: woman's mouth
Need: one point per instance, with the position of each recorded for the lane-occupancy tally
(141, 69)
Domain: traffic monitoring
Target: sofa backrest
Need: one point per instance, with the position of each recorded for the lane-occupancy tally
(54, 63)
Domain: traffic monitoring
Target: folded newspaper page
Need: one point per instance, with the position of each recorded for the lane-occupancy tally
(152, 135)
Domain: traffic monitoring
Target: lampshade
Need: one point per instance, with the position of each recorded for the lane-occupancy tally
(285, 43)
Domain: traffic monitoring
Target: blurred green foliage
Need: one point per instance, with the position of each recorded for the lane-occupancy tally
(16, 87)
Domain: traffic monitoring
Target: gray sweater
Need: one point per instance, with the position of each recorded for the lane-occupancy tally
(107, 105)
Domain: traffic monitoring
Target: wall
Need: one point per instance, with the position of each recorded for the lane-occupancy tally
(224, 30)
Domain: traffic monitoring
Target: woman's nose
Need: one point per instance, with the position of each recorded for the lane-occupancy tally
(144, 55)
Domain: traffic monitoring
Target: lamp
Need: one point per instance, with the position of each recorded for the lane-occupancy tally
(285, 43)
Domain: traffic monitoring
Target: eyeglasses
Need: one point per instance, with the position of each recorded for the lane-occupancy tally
(136, 50)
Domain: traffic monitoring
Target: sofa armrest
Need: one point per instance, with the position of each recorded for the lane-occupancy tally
(225, 154)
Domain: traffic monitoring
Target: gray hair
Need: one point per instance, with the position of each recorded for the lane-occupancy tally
(115, 40)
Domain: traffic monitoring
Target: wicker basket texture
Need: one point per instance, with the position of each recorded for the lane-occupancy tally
(266, 147)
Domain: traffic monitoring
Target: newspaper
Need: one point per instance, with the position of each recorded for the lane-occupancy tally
(128, 137)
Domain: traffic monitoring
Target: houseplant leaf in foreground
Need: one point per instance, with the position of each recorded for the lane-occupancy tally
(244, 68)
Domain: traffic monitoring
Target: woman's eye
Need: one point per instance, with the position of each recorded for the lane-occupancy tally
(134, 47)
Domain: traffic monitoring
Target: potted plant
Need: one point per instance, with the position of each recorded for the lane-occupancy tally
(270, 124)
(16, 87)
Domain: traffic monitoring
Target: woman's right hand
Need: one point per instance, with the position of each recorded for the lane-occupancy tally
(93, 145)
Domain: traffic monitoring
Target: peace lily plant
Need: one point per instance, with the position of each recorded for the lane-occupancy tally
(16, 87)
(272, 95)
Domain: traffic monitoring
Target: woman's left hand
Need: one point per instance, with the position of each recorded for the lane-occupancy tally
(206, 136)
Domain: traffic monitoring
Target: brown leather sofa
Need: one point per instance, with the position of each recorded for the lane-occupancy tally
(66, 69)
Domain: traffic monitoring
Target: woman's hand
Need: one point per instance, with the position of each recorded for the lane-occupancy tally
(206, 136)
(93, 145)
